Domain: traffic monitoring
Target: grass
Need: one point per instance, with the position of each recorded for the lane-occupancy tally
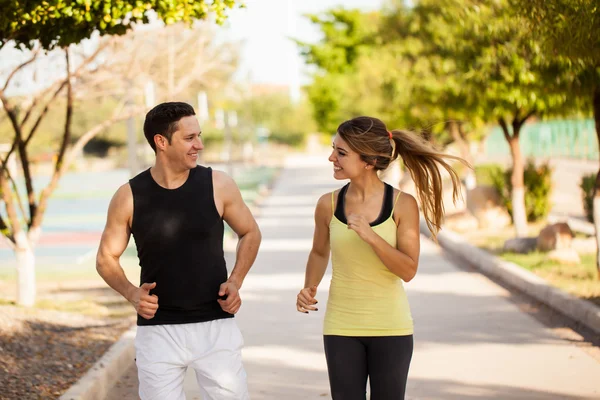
(74, 288)
(578, 280)
(493, 239)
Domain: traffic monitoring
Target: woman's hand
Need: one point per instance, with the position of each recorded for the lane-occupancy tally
(361, 226)
(306, 300)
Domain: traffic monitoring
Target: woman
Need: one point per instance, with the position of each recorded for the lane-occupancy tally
(372, 231)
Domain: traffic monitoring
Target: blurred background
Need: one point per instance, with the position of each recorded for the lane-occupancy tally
(512, 87)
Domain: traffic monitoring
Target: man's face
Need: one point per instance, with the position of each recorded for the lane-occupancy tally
(186, 142)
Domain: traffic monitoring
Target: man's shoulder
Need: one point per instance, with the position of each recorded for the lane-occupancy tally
(124, 192)
(221, 179)
(122, 201)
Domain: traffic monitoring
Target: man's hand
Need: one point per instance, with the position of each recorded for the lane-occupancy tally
(229, 297)
(305, 301)
(145, 304)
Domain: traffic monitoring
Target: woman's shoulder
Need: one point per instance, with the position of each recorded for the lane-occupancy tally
(404, 203)
(326, 203)
(326, 200)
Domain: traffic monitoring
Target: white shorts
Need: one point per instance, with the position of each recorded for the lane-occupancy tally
(212, 349)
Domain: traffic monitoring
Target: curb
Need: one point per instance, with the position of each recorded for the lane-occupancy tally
(579, 310)
(99, 379)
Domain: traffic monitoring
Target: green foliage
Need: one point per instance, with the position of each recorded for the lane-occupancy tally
(486, 174)
(588, 190)
(457, 60)
(566, 27)
(287, 122)
(538, 188)
(293, 139)
(348, 35)
(59, 23)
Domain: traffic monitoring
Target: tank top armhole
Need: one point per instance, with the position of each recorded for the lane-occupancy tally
(332, 206)
(332, 202)
(394, 206)
(211, 189)
(133, 208)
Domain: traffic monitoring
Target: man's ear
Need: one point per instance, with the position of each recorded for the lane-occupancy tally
(160, 142)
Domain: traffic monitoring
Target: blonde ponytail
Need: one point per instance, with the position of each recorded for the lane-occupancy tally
(423, 161)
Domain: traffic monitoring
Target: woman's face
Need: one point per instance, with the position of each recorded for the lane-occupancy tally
(346, 163)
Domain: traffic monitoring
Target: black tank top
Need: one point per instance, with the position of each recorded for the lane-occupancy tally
(386, 208)
(179, 238)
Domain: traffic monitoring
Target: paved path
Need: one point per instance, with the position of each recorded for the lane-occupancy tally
(471, 341)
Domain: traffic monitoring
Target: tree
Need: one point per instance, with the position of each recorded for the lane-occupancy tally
(58, 23)
(569, 29)
(347, 35)
(23, 23)
(432, 81)
(459, 62)
(505, 73)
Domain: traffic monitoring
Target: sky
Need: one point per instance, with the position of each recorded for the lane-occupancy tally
(264, 28)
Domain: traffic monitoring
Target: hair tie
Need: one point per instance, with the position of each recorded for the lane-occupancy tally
(389, 134)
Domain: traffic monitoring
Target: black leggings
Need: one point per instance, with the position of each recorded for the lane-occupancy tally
(384, 359)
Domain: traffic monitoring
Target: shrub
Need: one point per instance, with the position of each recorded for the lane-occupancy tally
(485, 173)
(538, 187)
(587, 185)
(294, 139)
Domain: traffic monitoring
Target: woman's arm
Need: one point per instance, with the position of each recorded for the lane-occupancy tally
(318, 257)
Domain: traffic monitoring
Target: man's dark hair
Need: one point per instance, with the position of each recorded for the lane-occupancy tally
(163, 119)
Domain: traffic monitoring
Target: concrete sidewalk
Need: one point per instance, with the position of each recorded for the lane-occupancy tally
(471, 340)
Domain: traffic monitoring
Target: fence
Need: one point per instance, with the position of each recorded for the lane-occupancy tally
(560, 138)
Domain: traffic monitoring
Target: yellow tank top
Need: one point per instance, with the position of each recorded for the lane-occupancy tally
(365, 297)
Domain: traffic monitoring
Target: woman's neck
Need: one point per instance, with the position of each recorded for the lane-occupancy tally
(365, 187)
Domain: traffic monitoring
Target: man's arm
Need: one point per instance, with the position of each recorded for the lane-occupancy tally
(238, 216)
(112, 245)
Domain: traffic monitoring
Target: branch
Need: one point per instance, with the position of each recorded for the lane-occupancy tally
(517, 122)
(10, 111)
(12, 114)
(70, 156)
(61, 152)
(37, 98)
(14, 71)
(60, 85)
(10, 239)
(69, 116)
(17, 195)
(10, 211)
(502, 123)
(63, 83)
(529, 115)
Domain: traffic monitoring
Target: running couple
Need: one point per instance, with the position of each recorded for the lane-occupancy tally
(186, 302)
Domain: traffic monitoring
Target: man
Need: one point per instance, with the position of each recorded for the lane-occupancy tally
(186, 303)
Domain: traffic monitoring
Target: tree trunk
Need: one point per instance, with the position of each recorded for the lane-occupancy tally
(25, 271)
(596, 214)
(518, 187)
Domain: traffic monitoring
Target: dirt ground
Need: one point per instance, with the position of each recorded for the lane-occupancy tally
(46, 349)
